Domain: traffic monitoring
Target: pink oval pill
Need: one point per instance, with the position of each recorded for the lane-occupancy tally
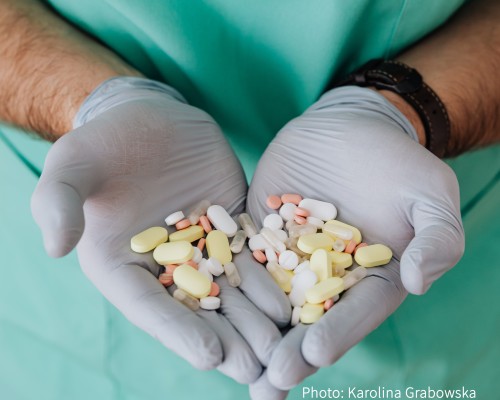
(291, 198)
(201, 244)
(328, 304)
(205, 223)
(214, 290)
(166, 279)
(300, 220)
(350, 246)
(359, 246)
(259, 256)
(191, 263)
(169, 269)
(182, 224)
(302, 212)
(273, 202)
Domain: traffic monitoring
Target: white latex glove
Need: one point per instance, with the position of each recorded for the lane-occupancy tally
(138, 153)
(356, 150)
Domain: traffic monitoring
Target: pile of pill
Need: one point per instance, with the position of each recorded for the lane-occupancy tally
(184, 263)
(310, 266)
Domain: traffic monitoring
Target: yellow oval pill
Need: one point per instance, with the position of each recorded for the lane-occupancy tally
(311, 313)
(313, 241)
(356, 234)
(191, 281)
(320, 263)
(341, 260)
(218, 246)
(147, 240)
(373, 255)
(324, 290)
(194, 232)
(173, 253)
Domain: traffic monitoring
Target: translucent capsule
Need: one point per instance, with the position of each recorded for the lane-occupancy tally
(238, 242)
(247, 225)
(232, 274)
(301, 230)
(280, 276)
(275, 243)
(198, 210)
(185, 298)
(291, 244)
(354, 277)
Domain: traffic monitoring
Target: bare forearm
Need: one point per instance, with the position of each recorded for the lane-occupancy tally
(47, 68)
(461, 63)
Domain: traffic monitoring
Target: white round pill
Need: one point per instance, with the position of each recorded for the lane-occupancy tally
(295, 316)
(287, 211)
(197, 255)
(214, 266)
(273, 222)
(175, 217)
(271, 255)
(257, 242)
(288, 259)
(301, 267)
(281, 235)
(210, 303)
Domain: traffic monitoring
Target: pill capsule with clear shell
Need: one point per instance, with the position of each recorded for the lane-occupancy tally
(185, 298)
(301, 230)
(238, 242)
(148, 239)
(339, 245)
(280, 276)
(198, 210)
(247, 225)
(221, 220)
(354, 277)
(275, 243)
(232, 274)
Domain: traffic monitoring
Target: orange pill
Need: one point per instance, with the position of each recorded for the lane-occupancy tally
(273, 202)
(182, 224)
(259, 256)
(359, 246)
(302, 212)
(205, 223)
(350, 246)
(214, 290)
(169, 269)
(300, 220)
(291, 198)
(328, 304)
(166, 279)
(192, 264)
(201, 244)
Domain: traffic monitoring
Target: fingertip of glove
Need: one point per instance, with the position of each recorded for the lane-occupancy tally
(412, 277)
(262, 389)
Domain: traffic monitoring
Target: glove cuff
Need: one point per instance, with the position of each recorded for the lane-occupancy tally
(119, 90)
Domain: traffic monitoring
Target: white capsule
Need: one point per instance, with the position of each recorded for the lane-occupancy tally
(319, 209)
(271, 255)
(232, 274)
(276, 244)
(238, 241)
(302, 267)
(173, 218)
(247, 225)
(315, 222)
(339, 245)
(288, 260)
(210, 303)
(273, 222)
(354, 277)
(214, 266)
(295, 316)
(203, 269)
(222, 221)
(198, 210)
(287, 211)
(281, 235)
(197, 255)
(258, 242)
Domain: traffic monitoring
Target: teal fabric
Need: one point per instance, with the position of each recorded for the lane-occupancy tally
(253, 67)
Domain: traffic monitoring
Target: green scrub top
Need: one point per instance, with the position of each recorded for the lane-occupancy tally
(253, 66)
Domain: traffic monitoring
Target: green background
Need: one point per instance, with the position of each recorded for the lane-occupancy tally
(253, 66)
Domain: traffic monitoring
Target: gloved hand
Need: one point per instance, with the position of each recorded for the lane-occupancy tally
(139, 152)
(356, 150)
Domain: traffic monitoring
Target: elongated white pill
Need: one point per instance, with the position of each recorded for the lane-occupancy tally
(319, 209)
(222, 221)
(271, 255)
(175, 217)
(295, 316)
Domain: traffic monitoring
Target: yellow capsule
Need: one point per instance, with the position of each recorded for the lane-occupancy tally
(313, 241)
(218, 246)
(324, 290)
(321, 264)
(340, 260)
(173, 253)
(191, 281)
(330, 228)
(310, 313)
(147, 240)
(194, 232)
(373, 256)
